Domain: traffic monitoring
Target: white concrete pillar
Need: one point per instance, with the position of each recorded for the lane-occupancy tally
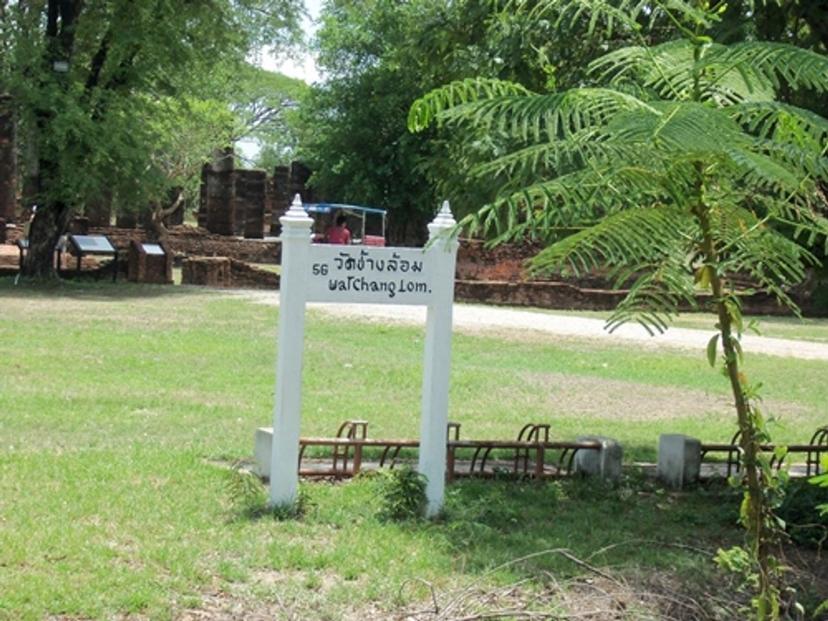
(284, 459)
(605, 463)
(437, 363)
(679, 460)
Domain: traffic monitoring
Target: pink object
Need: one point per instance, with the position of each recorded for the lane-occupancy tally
(339, 235)
(373, 240)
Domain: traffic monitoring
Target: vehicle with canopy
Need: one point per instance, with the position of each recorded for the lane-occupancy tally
(367, 224)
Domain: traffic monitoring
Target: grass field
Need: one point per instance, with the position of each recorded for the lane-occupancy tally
(122, 407)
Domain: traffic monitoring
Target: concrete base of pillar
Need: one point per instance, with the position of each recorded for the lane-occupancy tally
(679, 460)
(262, 450)
(604, 463)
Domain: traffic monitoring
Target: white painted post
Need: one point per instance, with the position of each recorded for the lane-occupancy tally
(284, 458)
(437, 364)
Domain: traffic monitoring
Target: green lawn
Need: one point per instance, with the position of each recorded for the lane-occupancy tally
(122, 406)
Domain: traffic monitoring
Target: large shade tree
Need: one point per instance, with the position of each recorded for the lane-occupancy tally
(682, 169)
(264, 103)
(377, 57)
(91, 82)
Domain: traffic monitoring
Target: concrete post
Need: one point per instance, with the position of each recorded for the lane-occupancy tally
(604, 463)
(437, 363)
(284, 475)
(679, 460)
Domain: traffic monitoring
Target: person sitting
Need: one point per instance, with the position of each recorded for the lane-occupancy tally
(339, 234)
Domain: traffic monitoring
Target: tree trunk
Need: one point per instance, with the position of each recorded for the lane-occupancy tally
(8, 161)
(155, 224)
(48, 225)
(52, 216)
(158, 214)
(757, 509)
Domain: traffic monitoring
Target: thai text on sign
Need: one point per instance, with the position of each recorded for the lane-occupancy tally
(369, 274)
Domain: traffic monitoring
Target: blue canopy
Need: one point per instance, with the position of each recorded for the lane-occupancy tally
(331, 207)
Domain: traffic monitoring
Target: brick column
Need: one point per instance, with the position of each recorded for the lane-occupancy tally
(280, 197)
(221, 217)
(250, 201)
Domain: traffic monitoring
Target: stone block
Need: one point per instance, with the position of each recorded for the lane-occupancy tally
(679, 460)
(149, 267)
(208, 271)
(604, 463)
(262, 450)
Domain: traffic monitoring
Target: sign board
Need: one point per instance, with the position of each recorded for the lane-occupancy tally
(92, 244)
(331, 273)
(369, 275)
(153, 249)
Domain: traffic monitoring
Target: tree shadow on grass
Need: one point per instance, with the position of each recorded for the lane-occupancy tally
(492, 522)
(634, 537)
(87, 288)
(637, 532)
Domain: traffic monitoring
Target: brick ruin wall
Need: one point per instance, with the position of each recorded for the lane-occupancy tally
(249, 202)
(226, 272)
(189, 241)
(499, 276)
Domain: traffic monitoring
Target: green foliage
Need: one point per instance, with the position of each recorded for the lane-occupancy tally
(379, 57)
(401, 492)
(680, 126)
(681, 169)
(249, 497)
(264, 105)
(806, 524)
(246, 491)
(126, 100)
(822, 481)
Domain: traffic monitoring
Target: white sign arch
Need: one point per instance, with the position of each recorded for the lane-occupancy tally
(361, 274)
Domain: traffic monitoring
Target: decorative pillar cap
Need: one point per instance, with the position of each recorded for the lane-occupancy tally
(296, 217)
(444, 221)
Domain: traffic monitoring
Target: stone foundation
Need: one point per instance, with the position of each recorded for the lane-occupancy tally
(538, 294)
(149, 268)
(226, 272)
(207, 271)
(189, 241)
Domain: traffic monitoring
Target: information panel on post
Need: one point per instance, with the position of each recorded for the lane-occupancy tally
(373, 275)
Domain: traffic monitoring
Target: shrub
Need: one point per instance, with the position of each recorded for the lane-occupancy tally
(804, 522)
(401, 492)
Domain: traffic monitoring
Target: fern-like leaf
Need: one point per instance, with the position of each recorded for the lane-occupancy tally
(428, 108)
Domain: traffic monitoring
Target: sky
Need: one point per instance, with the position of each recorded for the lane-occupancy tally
(303, 68)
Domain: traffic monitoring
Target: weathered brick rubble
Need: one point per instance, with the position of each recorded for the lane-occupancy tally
(226, 272)
(190, 241)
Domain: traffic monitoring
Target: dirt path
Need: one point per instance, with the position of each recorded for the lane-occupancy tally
(521, 322)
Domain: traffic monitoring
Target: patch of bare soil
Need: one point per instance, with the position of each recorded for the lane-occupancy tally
(279, 595)
(600, 597)
(598, 594)
(593, 397)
